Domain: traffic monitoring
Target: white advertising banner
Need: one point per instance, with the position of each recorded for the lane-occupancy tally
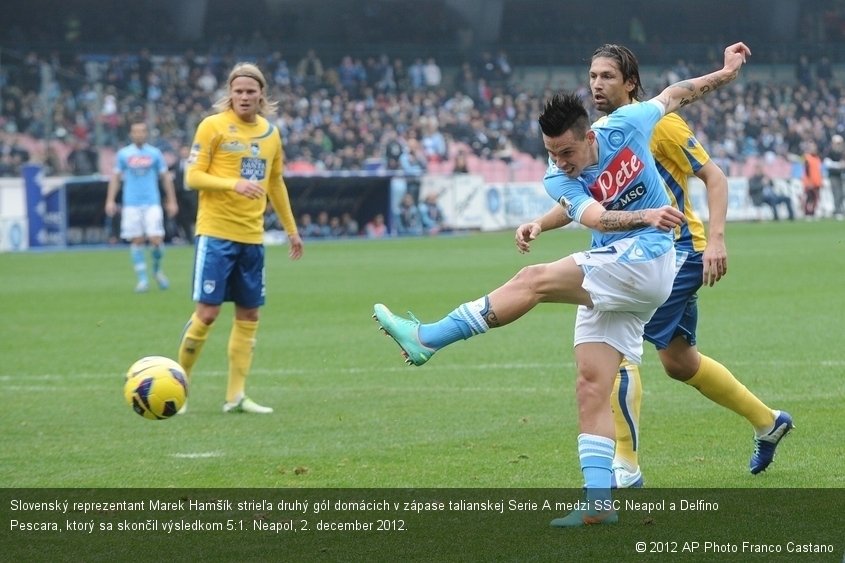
(470, 203)
(14, 227)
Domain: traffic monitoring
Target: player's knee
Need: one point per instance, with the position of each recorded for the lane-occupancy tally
(532, 279)
(678, 369)
(588, 389)
(208, 314)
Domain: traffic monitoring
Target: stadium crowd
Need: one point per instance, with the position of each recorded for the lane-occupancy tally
(374, 113)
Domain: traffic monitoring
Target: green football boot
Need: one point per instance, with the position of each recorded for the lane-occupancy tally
(406, 334)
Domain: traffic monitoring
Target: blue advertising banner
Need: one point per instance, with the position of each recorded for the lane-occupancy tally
(46, 212)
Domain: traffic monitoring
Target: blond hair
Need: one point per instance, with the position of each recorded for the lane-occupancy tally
(266, 107)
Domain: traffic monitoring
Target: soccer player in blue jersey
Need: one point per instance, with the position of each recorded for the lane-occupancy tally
(615, 83)
(604, 178)
(236, 165)
(139, 167)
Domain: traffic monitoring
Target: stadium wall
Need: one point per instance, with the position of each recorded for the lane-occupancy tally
(58, 212)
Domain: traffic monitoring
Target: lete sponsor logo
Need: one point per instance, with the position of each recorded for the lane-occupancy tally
(619, 173)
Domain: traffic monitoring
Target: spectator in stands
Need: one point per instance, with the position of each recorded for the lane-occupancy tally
(408, 221)
(433, 142)
(824, 70)
(416, 74)
(335, 228)
(431, 215)
(324, 228)
(82, 160)
(349, 226)
(460, 165)
(761, 190)
(376, 228)
(384, 75)
(309, 70)
(12, 154)
(811, 179)
(835, 163)
(400, 75)
(352, 75)
(412, 161)
(307, 228)
(734, 124)
(804, 70)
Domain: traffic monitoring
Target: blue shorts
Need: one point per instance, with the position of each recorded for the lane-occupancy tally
(225, 270)
(678, 316)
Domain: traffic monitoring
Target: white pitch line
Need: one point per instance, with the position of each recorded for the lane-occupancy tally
(552, 366)
(197, 455)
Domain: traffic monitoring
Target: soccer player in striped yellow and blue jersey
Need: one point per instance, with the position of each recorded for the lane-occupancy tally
(236, 164)
(615, 82)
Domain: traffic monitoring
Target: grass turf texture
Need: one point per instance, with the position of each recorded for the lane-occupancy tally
(494, 412)
(494, 416)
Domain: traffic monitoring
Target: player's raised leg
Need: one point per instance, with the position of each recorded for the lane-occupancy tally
(555, 282)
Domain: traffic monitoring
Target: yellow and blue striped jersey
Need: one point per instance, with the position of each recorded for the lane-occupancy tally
(225, 150)
(679, 155)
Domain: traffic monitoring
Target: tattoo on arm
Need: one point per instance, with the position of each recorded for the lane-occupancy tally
(711, 82)
(612, 221)
(492, 319)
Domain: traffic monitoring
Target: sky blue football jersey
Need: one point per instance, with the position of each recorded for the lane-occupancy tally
(624, 179)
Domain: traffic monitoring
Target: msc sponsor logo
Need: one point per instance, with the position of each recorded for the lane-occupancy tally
(628, 197)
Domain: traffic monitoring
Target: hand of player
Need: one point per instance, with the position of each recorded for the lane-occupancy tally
(664, 218)
(249, 189)
(111, 208)
(715, 262)
(736, 55)
(295, 252)
(525, 233)
(172, 208)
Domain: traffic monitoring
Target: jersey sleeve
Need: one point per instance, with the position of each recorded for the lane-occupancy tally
(202, 151)
(567, 191)
(119, 162)
(162, 163)
(278, 192)
(673, 141)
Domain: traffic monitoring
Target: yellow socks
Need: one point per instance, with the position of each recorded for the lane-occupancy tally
(241, 346)
(717, 383)
(194, 336)
(625, 401)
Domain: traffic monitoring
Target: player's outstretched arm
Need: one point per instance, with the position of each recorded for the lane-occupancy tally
(688, 91)
(597, 217)
(554, 218)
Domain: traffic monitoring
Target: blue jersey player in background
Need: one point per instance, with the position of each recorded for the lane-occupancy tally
(606, 179)
(139, 167)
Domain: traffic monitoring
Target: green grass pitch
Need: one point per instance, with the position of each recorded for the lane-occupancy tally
(497, 411)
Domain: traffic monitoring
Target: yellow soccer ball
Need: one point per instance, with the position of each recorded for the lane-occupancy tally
(156, 387)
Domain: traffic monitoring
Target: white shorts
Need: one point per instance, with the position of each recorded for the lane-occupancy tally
(141, 221)
(626, 290)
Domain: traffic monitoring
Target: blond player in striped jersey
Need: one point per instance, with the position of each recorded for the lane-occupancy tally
(236, 164)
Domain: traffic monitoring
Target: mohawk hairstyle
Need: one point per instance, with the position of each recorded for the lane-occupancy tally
(562, 112)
